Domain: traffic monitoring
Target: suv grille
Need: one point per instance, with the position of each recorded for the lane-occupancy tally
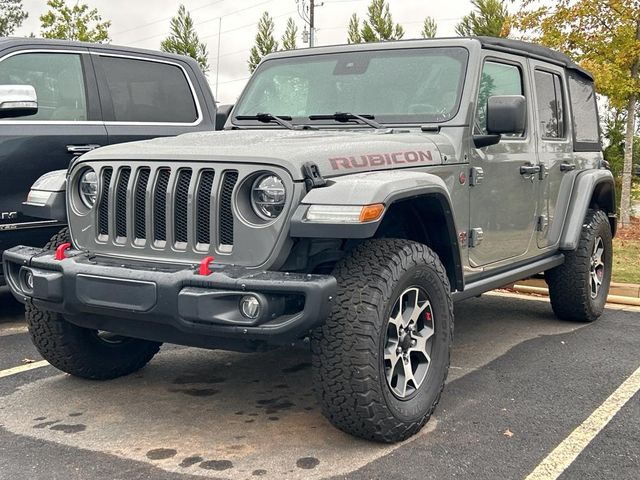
(168, 208)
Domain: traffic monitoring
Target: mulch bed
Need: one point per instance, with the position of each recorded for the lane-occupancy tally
(631, 232)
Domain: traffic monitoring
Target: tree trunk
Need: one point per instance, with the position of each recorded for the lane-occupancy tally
(625, 197)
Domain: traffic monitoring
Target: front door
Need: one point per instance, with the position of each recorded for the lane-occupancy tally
(67, 123)
(503, 200)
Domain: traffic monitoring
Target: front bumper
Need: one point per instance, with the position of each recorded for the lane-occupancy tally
(168, 303)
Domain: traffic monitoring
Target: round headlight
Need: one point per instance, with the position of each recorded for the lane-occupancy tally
(268, 196)
(88, 188)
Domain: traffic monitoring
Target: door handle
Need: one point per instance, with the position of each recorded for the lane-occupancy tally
(79, 149)
(567, 167)
(529, 169)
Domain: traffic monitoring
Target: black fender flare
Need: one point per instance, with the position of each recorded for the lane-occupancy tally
(387, 188)
(591, 188)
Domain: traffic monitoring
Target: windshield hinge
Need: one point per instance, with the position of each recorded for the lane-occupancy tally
(312, 177)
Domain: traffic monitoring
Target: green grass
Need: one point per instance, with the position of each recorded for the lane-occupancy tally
(626, 260)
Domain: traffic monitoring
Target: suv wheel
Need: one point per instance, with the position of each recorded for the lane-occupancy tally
(381, 359)
(578, 288)
(80, 351)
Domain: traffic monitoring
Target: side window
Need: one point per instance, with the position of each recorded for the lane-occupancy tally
(550, 104)
(585, 114)
(147, 91)
(497, 79)
(58, 80)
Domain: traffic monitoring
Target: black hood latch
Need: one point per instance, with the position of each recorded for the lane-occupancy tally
(312, 177)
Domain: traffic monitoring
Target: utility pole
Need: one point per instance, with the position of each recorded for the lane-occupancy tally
(312, 28)
(306, 10)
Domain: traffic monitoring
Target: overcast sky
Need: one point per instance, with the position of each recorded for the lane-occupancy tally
(144, 23)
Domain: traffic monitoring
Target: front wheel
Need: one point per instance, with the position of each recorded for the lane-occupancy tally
(381, 359)
(579, 287)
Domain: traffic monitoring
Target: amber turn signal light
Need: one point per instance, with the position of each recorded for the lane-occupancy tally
(371, 213)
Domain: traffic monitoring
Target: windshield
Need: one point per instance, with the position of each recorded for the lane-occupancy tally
(393, 85)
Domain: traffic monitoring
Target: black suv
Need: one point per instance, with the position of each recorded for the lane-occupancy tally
(61, 99)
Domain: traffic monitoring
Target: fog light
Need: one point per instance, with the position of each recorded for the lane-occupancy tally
(250, 307)
(27, 280)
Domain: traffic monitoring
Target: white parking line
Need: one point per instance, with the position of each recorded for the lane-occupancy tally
(23, 368)
(564, 454)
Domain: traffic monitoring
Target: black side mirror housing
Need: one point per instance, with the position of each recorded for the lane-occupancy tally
(506, 114)
(222, 114)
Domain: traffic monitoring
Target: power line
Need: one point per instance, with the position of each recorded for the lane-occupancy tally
(206, 21)
(252, 24)
(165, 18)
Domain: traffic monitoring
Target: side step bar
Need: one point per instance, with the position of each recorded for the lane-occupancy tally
(474, 289)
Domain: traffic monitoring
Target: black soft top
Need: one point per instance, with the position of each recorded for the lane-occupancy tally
(532, 50)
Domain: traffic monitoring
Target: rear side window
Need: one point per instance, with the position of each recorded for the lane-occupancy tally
(146, 91)
(58, 80)
(550, 105)
(497, 79)
(585, 114)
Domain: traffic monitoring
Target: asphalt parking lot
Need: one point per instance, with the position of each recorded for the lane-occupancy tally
(523, 386)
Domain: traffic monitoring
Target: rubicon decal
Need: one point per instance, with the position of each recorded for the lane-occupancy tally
(380, 159)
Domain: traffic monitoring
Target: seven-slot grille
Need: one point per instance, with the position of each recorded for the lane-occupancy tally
(179, 208)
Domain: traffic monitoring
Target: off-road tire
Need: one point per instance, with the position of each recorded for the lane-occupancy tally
(569, 283)
(348, 371)
(80, 351)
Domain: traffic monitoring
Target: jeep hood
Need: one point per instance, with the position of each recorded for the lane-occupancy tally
(335, 152)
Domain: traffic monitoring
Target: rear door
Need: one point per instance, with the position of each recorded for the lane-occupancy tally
(67, 123)
(555, 150)
(145, 97)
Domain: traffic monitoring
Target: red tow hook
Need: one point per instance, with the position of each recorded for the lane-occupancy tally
(204, 266)
(60, 255)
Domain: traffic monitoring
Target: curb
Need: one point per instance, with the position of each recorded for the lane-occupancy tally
(620, 293)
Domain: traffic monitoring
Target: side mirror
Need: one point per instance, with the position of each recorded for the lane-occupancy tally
(506, 114)
(222, 114)
(18, 101)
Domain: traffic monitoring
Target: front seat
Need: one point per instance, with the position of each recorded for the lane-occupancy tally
(71, 104)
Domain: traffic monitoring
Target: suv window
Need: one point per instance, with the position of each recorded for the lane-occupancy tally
(58, 80)
(550, 100)
(147, 91)
(497, 79)
(585, 114)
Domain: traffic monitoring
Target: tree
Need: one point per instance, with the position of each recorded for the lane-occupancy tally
(490, 18)
(290, 37)
(74, 23)
(429, 28)
(265, 43)
(184, 40)
(604, 37)
(353, 34)
(11, 16)
(378, 27)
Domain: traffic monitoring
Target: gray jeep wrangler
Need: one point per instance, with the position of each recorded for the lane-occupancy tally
(356, 193)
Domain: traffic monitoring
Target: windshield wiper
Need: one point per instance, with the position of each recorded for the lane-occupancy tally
(283, 121)
(345, 117)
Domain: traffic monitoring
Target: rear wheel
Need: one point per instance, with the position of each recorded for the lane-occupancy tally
(578, 288)
(84, 352)
(381, 359)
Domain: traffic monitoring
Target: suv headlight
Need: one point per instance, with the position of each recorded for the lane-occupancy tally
(268, 196)
(88, 187)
